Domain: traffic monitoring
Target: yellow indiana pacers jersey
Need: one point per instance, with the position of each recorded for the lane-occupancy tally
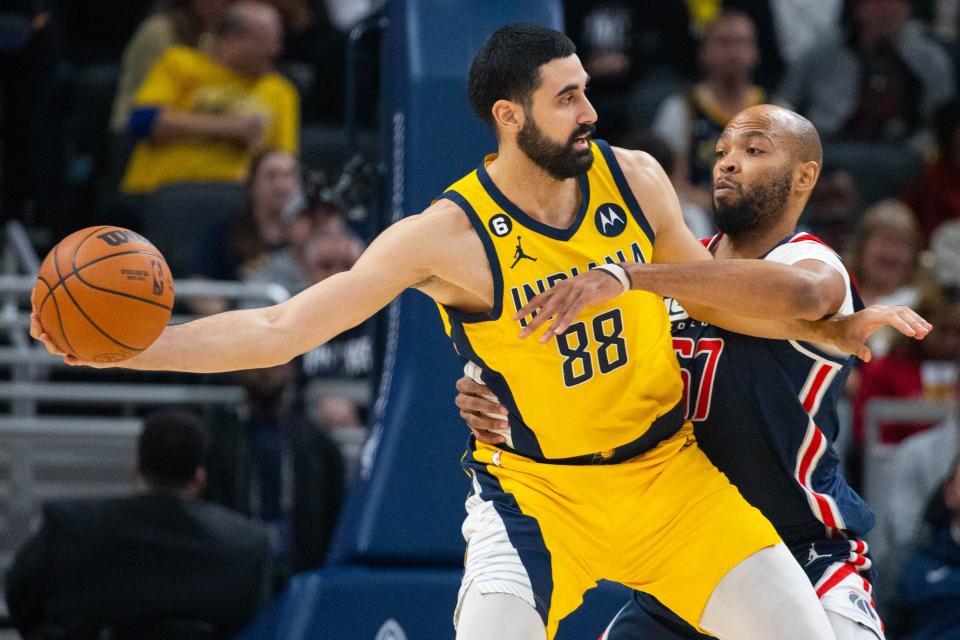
(601, 384)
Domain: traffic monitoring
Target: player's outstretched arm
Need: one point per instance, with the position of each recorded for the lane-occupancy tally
(399, 258)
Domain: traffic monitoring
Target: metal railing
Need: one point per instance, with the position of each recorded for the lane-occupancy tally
(30, 365)
(877, 454)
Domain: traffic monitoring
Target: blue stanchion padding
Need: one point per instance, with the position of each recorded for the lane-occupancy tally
(353, 603)
(408, 506)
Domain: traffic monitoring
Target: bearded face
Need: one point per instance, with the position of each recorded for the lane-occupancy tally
(754, 206)
(559, 160)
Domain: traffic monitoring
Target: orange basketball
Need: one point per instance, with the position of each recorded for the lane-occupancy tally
(104, 294)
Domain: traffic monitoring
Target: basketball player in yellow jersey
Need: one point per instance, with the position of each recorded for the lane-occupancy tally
(602, 478)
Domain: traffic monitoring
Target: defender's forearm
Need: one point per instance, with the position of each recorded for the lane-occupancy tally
(752, 288)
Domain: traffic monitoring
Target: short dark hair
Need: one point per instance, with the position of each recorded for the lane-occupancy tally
(507, 67)
(724, 15)
(171, 448)
(233, 23)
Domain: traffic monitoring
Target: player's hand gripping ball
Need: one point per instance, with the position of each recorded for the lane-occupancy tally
(103, 294)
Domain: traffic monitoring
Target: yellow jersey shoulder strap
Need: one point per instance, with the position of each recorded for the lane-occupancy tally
(464, 193)
(613, 172)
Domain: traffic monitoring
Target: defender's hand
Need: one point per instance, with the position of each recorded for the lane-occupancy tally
(477, 410)
(850, 333)
(565, 300)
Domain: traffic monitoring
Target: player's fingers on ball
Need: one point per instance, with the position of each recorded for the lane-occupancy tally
(49, 345)
(35, 327)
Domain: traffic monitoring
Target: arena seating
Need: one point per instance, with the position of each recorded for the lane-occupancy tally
(184, 210)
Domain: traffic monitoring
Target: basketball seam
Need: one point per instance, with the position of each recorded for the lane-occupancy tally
(89, 319)
(56, 265)
(56, 306)
(101, 259)
(76, 269)
(63, 330)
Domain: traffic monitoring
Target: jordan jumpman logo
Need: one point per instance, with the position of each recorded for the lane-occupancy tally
(813, 556)
(520, 255)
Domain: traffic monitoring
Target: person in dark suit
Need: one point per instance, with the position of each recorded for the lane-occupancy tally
(132, 562)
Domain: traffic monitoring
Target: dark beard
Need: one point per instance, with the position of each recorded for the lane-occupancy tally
(559, 161)
(757, 208)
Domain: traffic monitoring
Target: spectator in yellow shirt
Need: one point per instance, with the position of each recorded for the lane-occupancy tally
(200, 116)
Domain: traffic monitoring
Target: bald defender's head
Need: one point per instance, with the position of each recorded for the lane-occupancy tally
(768, 161)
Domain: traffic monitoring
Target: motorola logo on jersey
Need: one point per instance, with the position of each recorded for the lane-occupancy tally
(500, 225)
(610, 219)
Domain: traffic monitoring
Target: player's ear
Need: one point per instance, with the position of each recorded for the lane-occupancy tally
(807, 178)
(508, 115)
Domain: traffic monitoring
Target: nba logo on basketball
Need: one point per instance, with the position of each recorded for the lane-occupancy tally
(157, 277)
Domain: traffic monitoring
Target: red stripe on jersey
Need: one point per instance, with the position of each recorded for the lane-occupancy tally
(711, 242)
(835, 579)
(814, 391)
(808, 237)
(816, 442)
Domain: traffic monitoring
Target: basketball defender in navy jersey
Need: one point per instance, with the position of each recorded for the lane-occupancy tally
(764, 411)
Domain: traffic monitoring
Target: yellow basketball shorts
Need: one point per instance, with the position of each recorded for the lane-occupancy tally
(667, 523)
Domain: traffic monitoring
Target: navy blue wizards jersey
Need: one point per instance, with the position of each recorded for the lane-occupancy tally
(764, 411)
